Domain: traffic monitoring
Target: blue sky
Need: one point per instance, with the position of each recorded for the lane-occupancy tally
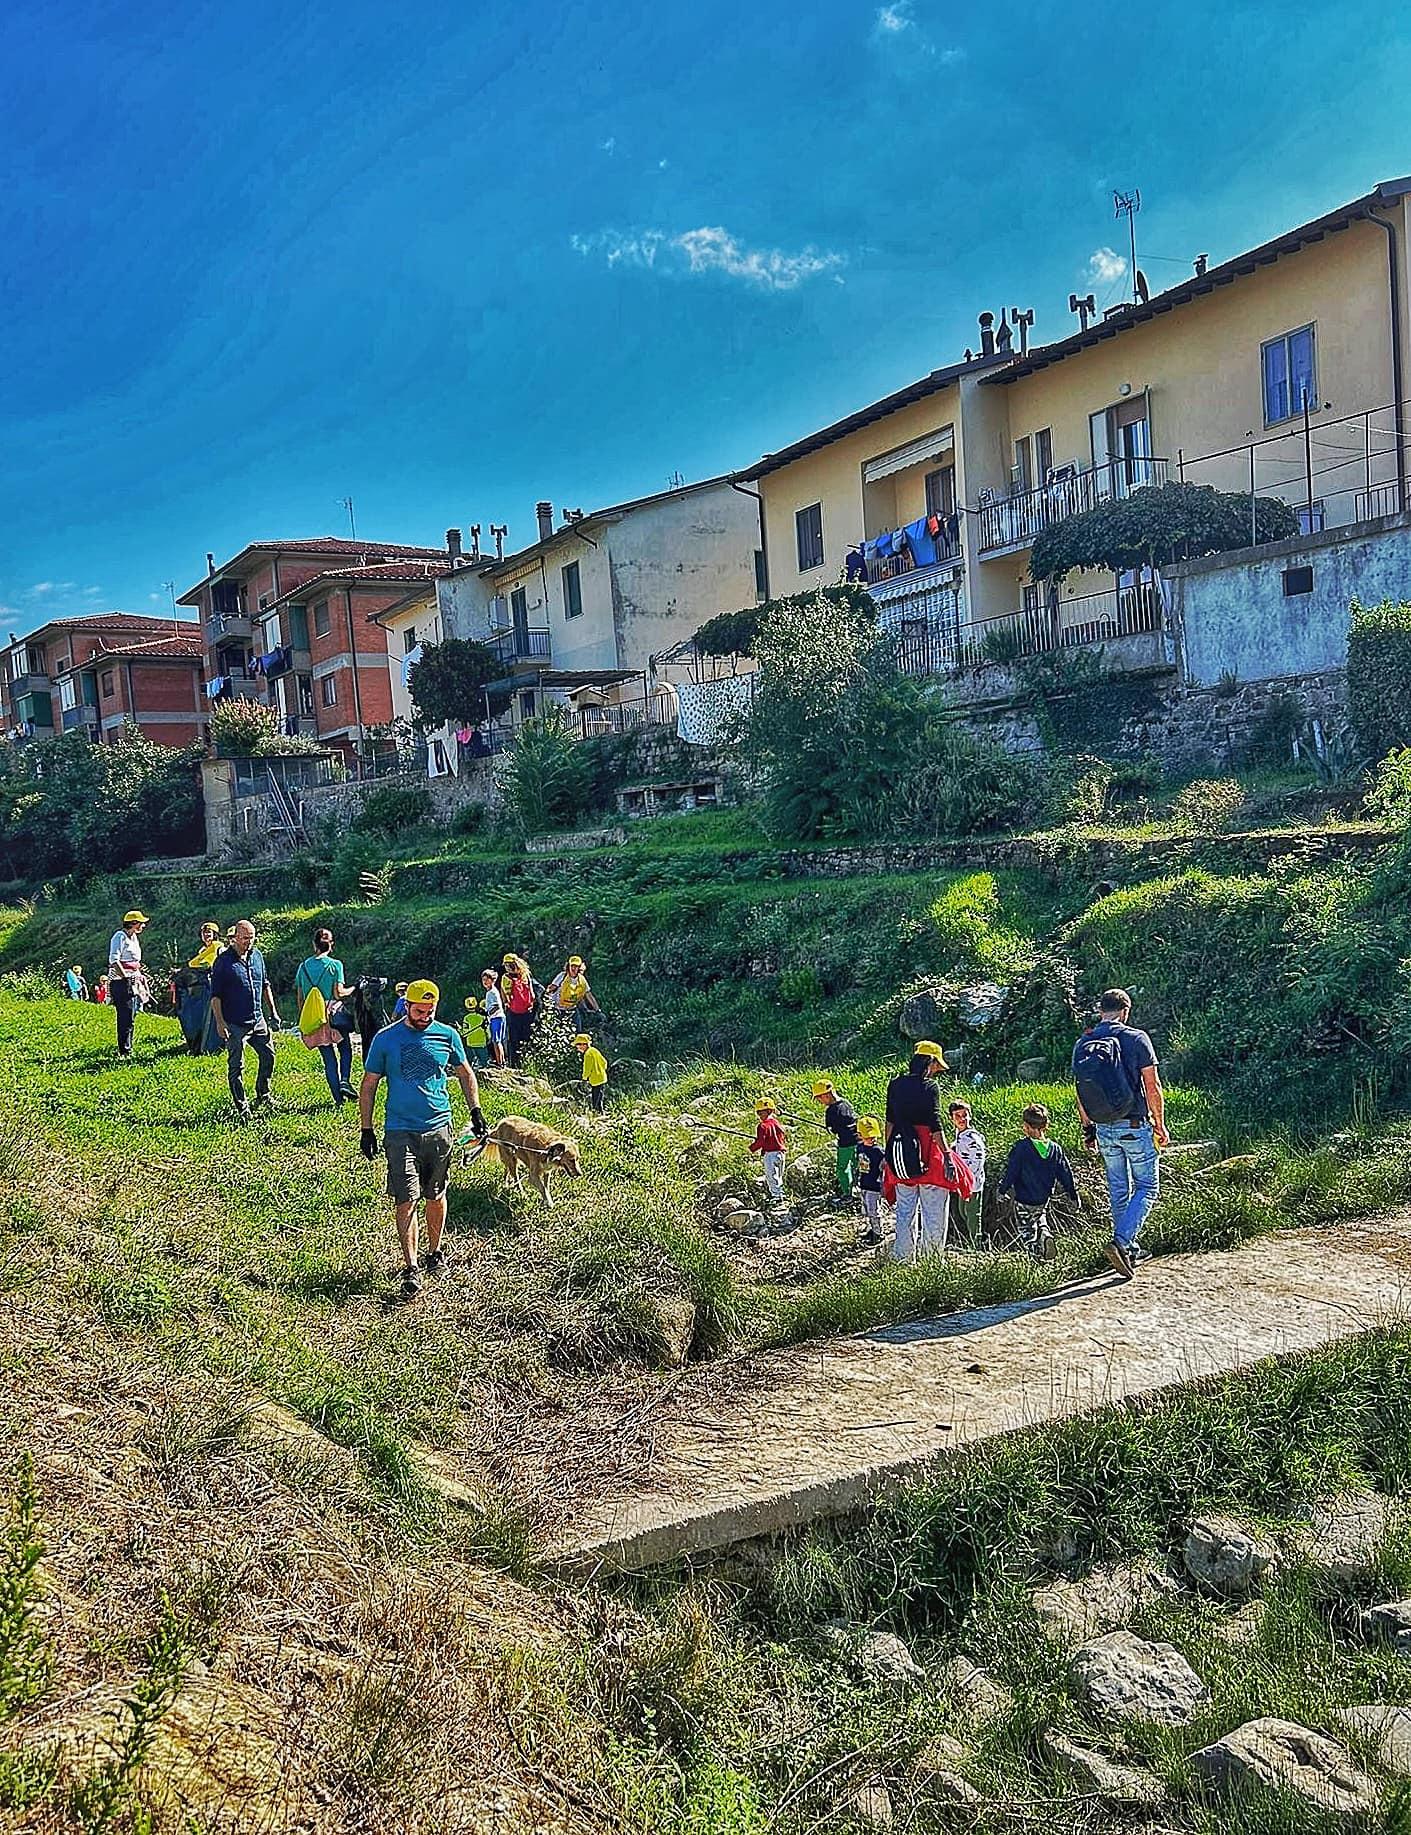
(259, 258)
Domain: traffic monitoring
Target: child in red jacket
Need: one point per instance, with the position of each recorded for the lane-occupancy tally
(771, 1142)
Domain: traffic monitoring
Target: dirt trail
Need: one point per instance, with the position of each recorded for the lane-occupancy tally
(794, 1436)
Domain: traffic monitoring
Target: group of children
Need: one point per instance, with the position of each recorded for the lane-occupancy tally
(1035, 1168)
(498, 1021)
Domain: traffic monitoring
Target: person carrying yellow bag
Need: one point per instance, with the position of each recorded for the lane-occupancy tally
(325, 1024)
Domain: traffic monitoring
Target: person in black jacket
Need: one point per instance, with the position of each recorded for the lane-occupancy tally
(1035, 1166)
(914, 1111)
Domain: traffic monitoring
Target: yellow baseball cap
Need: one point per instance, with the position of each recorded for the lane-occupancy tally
(509, 959)
(764, 1108)
(472, 1005)
(869, 1128)
(824, 1088)
(927, 1048)
(575, 961)
(582, 1040)
(134, 917)
(421, 991)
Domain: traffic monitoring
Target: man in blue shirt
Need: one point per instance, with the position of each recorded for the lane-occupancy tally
(1123, 1109)
(240, 994)
(415, 1054)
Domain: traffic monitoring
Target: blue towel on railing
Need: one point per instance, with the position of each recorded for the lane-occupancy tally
(922, 543)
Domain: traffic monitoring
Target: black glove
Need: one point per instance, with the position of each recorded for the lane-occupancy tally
(1090, 1135)
(367, 1143)
(478, 1122)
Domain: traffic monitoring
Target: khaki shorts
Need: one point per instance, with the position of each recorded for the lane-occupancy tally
(417, 1163)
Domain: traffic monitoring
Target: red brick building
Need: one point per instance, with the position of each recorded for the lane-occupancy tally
(100, 673)
(311, 654)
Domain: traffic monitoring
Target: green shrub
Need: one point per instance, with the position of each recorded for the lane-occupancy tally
(1379, 676)
(471, 819)
(1208, 805)
(1090, 789)
(241, 727)
(24, 1650)
(392, 809)
(1273, 733)
(545, 777)
(1388, 797)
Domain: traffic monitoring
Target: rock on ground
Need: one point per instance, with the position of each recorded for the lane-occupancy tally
(873, 1653)
(1344, 1536)
(1243, 1627)
(1031, 1070)
(675, 1323)
(1119, 1785)
(872, 1805)
(1388, 1729)
(1104, 1600)
(978, 1698)
(1226, 1557)
(1127, 1678)
(1279, 1755)
(1390, 1624)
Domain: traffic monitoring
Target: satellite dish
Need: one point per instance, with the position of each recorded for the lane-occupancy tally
(1143, 290)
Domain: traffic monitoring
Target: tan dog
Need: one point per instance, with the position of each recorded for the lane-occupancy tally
(523, 1146)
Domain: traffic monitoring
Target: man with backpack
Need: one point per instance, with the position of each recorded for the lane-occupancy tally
(1123, 1110)
(921, 1170)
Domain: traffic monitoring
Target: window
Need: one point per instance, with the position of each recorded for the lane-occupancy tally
(940, 491)
(68, 693)
(1310, 518)
(1043, 454)
(761, 575)
(1290, 375)
(1297, 581)
(323, 623)
(298, 627)
(1022, 476)
(572, 591)
(306, 695)
(526, 705)
(409, 640)
(105, 683)
(808, 532)
(328, 690)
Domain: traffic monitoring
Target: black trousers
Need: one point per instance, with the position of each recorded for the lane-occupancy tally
(598, 1097)
(518, 1026)
(124, 1006)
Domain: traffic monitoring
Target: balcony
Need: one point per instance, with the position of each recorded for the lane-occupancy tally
(26, 684)
(1012, 522)
(235, 686)
(82, 718)
(521, 646)
(228, 627)
(951, 647)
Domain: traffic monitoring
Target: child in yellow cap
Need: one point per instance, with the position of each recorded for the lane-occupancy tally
(771, 1143)
(477, 1039)
(840, 1119)
(595, 1072)
(871, 1162)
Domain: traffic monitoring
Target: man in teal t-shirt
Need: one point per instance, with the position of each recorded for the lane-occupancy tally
(417, 1055)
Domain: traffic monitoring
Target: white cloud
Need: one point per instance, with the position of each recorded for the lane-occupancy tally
(1105, 266)
(710, 249)
(894, 23)
(41, 587)
(93, 591)
(661, 165)
(609, 146)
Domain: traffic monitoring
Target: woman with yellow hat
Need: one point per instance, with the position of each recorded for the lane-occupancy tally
(126, 981)
(569, 989)
(915, 1140)
(520, 992)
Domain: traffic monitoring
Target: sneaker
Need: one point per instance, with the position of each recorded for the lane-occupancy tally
(1048, 1247)
(411, 1281)
(348, 1093)
(870, 1238)
(242, 1115)
(263, 1100)
(1120, 1260)
(436, 1262)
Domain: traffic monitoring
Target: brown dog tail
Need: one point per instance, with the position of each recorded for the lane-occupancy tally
(490, 1154)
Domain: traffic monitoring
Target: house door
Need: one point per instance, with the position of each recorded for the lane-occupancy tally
(519, 618)
(940, 491)
(1121, 442)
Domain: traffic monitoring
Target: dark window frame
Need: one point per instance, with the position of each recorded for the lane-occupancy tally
(810, 557)
(572, 581)
(323, 618)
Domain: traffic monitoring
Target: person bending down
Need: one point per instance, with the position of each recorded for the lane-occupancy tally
(415, 1055)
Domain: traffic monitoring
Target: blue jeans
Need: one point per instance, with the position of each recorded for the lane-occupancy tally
(1129, 1155)
(337, 1064)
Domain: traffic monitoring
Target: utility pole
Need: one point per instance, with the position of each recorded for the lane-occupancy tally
(347, 504)
(1127, 204)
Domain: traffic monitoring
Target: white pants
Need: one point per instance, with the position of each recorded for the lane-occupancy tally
(930, 1237)
(774, 1175)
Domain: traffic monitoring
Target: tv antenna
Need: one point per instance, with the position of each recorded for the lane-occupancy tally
(347, 504)
(1127, 204)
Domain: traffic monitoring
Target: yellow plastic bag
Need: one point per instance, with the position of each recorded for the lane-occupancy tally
(313, 1015)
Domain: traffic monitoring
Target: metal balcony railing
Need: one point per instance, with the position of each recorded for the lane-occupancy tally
(947, 647)
(227, 627)
(1014, 521)
(522, 646)
(948, 551)
(75, 717)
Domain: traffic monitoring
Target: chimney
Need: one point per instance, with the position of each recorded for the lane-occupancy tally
(1004, 343)
(987, 334)
(210, 563)
(475, 541)
(1023, 320)
(544, 514)
(1085, 308)
(1202, 262)
(499, 530)
(453, 545)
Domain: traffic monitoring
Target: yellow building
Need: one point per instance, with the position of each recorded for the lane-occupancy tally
(1284, 365)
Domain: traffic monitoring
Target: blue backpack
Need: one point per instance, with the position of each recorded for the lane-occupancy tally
(1105, 1090)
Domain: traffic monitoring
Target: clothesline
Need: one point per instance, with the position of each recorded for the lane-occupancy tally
(923, 543)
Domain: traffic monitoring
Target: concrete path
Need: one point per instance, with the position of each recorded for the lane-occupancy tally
(788, 1437)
